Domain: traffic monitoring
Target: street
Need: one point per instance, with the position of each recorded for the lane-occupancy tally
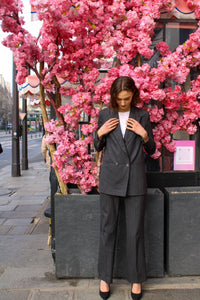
(34, 148)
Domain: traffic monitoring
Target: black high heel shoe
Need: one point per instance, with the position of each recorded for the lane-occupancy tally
(104, 295)
(136, 296)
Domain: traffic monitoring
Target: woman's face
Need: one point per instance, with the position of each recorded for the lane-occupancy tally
(124, 99)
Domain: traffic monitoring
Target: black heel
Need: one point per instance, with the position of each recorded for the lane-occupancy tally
(136, 296)
(104, 295)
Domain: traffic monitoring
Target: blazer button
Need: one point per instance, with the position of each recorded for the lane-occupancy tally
(116, 163)
(127, 165)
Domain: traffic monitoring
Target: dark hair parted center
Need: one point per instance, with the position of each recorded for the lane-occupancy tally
(123, 83)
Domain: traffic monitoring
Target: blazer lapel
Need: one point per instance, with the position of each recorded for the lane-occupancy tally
(130, 135)
(117, 132)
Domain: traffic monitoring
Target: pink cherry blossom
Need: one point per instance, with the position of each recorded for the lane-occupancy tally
(77, 38)
(163, 48)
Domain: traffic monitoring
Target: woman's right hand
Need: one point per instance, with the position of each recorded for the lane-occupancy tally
(107, 127)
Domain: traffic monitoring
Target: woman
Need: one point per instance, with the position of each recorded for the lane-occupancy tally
(123, 131)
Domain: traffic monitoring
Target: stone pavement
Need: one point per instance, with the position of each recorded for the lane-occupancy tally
(26, 265)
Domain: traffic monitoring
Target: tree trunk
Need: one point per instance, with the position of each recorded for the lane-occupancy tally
(52, 148)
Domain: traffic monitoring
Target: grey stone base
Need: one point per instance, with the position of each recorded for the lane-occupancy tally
(77, 236)
(183, 230)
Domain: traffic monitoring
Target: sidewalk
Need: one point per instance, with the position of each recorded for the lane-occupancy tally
(26, 265)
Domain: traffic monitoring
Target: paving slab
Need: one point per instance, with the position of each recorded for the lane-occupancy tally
(1, 220)
(41, 227)
(42, 192)
(14, 222)
(20, 214)
(25, 258)
(181, 282)
(5, 191)
(14, 295)
(7, 196)
(182, 294)
(27, 202)
(92, 294)
(19, 230)
(5, 229)
(8, 207)
(33, 198)
(39, 277)
(4, 200)
(32, 207)
(25, 278)
(21, 242)
(58, 295)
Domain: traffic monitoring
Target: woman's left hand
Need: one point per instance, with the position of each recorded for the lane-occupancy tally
(136, 127)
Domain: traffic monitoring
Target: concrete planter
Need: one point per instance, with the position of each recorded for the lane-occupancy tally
(77, 236)
(182, 230)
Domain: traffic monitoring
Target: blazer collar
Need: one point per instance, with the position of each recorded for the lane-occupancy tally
(133, 113)
(129, 135)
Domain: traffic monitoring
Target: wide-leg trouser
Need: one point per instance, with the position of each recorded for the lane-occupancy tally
(134, 216)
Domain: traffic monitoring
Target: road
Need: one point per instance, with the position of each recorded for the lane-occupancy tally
(34, 149)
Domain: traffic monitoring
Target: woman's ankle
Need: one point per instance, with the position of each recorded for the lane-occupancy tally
(136, 288)
(104, 286)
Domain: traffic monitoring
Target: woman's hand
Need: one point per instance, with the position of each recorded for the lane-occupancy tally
(136, 127)
(107, 127)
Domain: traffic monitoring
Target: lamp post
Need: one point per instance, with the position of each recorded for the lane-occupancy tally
(15, 129)
(24, 137)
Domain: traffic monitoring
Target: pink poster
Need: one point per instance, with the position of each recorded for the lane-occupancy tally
(184, 156)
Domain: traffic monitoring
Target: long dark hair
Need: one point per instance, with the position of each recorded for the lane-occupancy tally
(123, 83)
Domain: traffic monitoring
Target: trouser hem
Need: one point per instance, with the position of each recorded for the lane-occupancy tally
(108, 281)
(137, 281)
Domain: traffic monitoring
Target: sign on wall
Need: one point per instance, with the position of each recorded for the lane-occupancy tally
(184, 156)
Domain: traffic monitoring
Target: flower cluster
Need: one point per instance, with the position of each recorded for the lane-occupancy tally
(71, 157)
(76, 39)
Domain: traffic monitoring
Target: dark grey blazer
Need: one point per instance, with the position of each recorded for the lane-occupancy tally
(123, 168)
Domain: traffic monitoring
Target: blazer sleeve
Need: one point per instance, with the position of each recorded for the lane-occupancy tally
(100, 144)
(150, 146)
